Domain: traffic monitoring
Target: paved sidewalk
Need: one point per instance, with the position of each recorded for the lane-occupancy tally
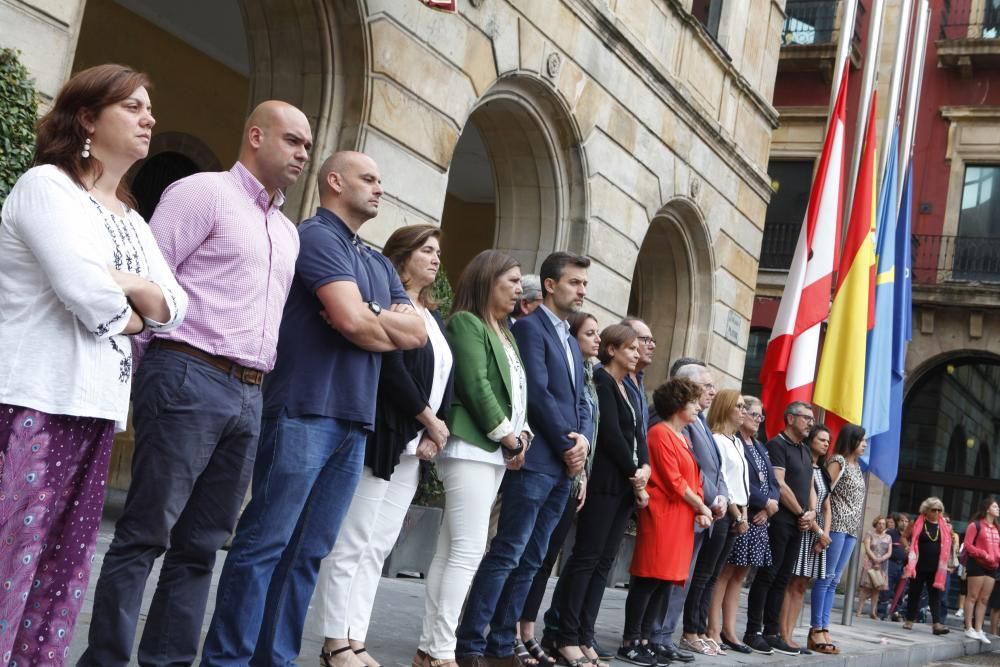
(399, 608)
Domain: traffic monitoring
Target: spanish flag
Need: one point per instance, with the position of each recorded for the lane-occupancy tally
(840, 380)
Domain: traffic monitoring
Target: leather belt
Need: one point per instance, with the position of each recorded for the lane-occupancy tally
(242, 373)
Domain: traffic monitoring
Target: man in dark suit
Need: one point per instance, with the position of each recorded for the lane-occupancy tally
(535, 496)
(715, 493)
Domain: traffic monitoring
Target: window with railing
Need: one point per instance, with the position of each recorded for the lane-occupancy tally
(790, 181)
(809, 21)
(970, 19)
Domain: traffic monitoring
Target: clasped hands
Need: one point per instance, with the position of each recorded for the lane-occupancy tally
(433, 440)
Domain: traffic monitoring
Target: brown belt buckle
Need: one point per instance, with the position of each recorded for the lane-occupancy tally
(251, 376)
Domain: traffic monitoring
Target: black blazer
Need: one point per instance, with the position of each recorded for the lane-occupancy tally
(617, 431)
(404, 388)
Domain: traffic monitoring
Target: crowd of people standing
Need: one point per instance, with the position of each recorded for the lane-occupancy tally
(317, 367)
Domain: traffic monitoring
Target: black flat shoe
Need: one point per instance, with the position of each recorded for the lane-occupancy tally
(739, 647)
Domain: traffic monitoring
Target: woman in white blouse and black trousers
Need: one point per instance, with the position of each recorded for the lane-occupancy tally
(79, 273)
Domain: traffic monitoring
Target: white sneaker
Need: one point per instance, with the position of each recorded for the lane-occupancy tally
(983, 638)
(971, 634)
(960, 613)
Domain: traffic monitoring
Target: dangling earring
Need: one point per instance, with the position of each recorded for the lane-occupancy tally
(85, 153)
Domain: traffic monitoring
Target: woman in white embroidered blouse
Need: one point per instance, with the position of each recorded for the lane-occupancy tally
(79, 273)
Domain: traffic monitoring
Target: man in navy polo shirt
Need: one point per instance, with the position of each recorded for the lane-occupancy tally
(345, 308)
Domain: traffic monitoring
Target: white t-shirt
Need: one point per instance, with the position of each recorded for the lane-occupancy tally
(61, 313)
(443, 360)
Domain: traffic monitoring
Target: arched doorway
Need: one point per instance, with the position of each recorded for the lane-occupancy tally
(210, 63)
(951, 431)
(155, 175)
(672, 285)
(516, 181)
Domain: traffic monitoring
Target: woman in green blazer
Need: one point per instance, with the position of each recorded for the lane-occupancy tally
(489, 434)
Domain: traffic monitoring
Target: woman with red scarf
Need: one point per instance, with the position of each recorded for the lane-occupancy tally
(927, 565)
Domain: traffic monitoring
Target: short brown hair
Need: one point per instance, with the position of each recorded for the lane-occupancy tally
(576, 320)
(61, 134)
(476, 283)
(617, 335)
(673, 395)
(404, 242)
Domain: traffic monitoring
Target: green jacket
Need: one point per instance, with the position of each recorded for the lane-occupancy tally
(482, 380)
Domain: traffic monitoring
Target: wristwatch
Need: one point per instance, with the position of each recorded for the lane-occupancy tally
(374, 307)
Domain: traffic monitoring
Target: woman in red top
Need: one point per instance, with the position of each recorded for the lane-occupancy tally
(665, 538)
(982, 547)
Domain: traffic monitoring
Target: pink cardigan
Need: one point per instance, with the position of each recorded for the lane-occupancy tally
(942, 569)
(983, 545)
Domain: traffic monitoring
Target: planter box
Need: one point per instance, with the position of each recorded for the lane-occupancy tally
(417, 541)
(619, 575)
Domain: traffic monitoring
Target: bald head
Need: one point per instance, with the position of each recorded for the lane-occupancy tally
(276, 143)
(350, 185)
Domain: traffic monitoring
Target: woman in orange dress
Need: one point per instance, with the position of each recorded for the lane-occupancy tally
(665, 538)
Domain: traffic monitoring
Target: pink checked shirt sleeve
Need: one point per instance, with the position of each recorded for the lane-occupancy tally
(233, 252)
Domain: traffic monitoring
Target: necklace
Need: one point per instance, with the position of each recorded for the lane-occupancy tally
(936, 534)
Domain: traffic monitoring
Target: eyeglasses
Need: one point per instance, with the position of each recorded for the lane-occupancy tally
(935, 509)
(706, 385)
(741, 407)
(759, 416)
(648, 340)
(809, 418)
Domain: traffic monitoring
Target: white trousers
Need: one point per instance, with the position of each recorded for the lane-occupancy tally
(470, 487)
(350, 574)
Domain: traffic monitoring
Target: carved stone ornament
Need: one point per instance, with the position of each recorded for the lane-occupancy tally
(552, 64)
(477, 3)
(695, 187)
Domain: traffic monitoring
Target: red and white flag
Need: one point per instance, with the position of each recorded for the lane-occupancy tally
(790, 361)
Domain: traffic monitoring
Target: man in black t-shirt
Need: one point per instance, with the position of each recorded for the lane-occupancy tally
(792, 463)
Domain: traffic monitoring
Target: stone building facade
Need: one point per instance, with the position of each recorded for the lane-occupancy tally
(636, 132)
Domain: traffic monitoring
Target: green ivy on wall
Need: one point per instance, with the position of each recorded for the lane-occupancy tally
(18, 114)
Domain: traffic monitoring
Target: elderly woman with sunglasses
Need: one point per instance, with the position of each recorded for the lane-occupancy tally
(927, 563)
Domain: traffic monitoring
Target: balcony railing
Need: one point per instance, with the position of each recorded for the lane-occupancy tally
(937, 259)
(778, 245)
(955, 259)
(970, 19)
(815, 22)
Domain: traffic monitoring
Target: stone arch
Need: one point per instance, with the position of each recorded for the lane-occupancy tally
(537, 166)
(672, 284)
(313, 54)
(950, 431)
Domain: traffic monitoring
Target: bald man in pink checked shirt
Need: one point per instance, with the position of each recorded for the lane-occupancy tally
(197, 397)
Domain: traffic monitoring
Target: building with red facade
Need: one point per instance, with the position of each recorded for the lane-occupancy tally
(951, 415)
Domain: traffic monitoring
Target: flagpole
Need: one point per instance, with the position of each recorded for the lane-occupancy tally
(916, 78)
(849, 10)
(867, 88)
(895, 85)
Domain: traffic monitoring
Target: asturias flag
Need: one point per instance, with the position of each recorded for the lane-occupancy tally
(840, 381)
(878, 362)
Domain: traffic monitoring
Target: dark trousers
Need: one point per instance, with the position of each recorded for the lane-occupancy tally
(599, 532)
(670, 615)
(917, 584)
(533, 602)
(533, 503)
(644, 606)
(712, 557)
(768, 589)
(196, 431)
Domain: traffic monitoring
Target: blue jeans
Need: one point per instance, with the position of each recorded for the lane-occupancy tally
(304, 479)
(838, 554)
(532, 505)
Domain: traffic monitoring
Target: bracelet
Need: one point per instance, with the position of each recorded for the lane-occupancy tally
(512, 452)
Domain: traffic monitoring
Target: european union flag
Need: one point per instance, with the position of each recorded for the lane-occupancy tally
(884, 447)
